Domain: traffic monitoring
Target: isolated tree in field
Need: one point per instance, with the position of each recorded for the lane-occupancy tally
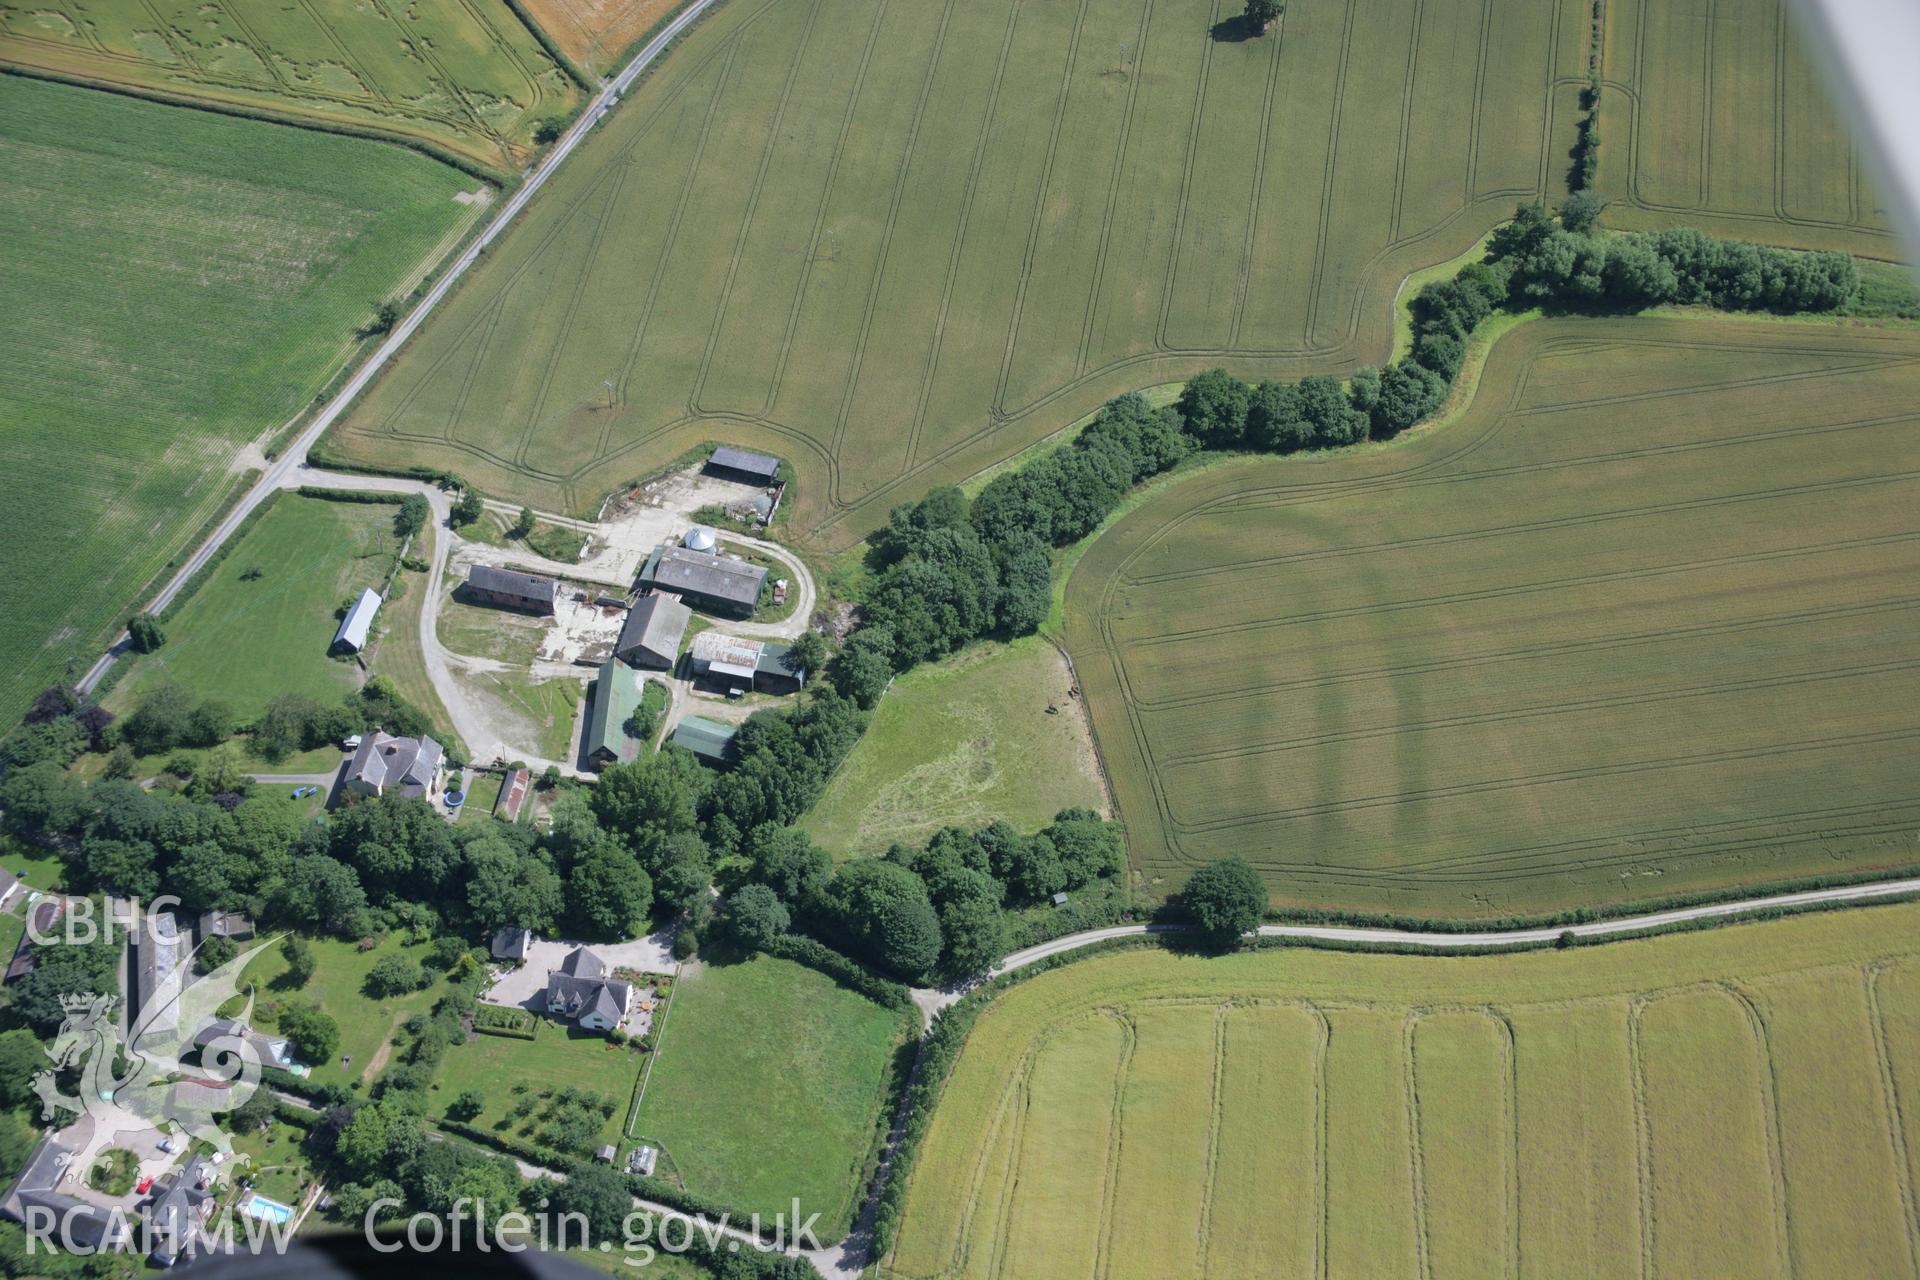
(469, 1104)
(1226, 899)
(412, 516)
(468, 509)
(393, 975)
(1262, 12)
(143, 629)
(523, 525)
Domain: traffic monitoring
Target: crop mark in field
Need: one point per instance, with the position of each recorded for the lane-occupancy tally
(1113, 195)
(1643, 1135)
(1896, 1125)
(1210, 1179)
(1115, 1133)
(1416, 1151)
(1406, 120)
(694, 408)
(1339, 98)
(1019, 1105)
(979, 158)
(1186, 188)
(1635, 698)
(1251, 239)
(1618, 768)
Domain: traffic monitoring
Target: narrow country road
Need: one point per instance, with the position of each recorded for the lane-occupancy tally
(294, 456)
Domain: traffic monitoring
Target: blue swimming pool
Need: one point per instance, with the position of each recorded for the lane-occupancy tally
(258, 1206)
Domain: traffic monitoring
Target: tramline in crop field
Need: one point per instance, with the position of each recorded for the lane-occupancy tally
(1739, 1102)
(1639, 624)
(898, 242)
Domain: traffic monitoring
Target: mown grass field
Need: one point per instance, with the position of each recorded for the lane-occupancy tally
(896, 243)
(178, 284)
(558, 1057)
(246, 639)
(988, 733)
(1734, 1102)
(768, 1087)
(470, 77)
(1638, 624)
(1714, 115)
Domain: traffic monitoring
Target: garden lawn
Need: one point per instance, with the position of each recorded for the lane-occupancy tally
(991, 732)
(367, 1026)
(556, 1058)
(1731, 1102)
(769, 1086)
(263, 621)
(178, 283)
(276, 1163)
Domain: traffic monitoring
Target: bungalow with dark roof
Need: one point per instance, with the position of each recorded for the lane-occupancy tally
(511, 589)
(580, 992)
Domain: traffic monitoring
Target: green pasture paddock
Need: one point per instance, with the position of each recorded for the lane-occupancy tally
(180, 283)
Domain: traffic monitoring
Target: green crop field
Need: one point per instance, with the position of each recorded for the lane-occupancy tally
(991, 732)
(1713, 115)
(262, 622)
(898, 242)
(469, 77)
(1638, 624)
(178, 284)
(768, 1087)
(1741, 1102)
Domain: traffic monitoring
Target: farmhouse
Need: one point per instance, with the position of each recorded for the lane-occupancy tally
(651, 635)
(177, 1213)
(713, 583)
(616, 694)
(405, 766)
(274, 1051)
(352, 635)
(708, 739)
(745, 664)
(511, 589)
(730, 463)
(580, 992)
(43, 1196)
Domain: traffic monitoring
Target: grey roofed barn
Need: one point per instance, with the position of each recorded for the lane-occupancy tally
(512, 588)
(755, 467)
(707, 579)
(652, 633)
(358, 622)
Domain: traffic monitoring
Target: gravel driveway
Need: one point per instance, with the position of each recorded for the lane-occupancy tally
(527, 985)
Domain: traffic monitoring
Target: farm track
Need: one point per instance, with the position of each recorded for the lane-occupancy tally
(295, 454)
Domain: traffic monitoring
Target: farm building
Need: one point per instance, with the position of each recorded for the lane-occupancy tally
(748, 468)
(405, 766)
(511, 589)
(745, 664)
(41, 917)
(651, 635)
(225, 924)
(156, 955)
(580, 991)
(513, 795)
(511, 943)
(708, 739)
(700, 538)
(703, 580)
(355, 627)
(616, 693)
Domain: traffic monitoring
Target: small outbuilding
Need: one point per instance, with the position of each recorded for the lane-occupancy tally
(641, 1160)
(231, 925)
(511, 943)
(358, 624)
(700, 538)
(511, 589)
(708, 739)
(730, 463)
(652, 633)
(607, 1153)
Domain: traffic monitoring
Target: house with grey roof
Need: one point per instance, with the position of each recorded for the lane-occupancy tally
(384, 764)
(580, 992)
(511, 589)
(177, 1212)
(273, 1051)
(43, 1199)
(358, 624)
(510, 943)
(157, 954)
(652, 633)
(709, 582)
